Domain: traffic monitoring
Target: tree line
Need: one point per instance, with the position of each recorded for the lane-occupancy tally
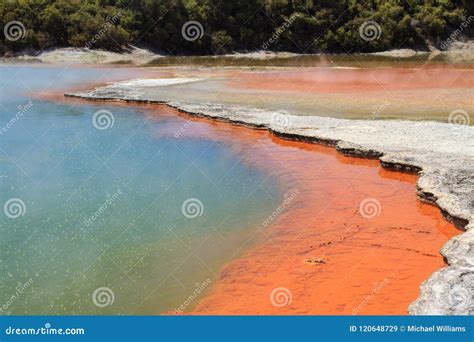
(203, 27)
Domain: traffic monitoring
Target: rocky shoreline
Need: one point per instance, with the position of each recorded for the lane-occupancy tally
(134, 56)
(442, 154)
(458, 52)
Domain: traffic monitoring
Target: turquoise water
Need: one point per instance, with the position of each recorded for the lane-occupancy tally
(123, 220)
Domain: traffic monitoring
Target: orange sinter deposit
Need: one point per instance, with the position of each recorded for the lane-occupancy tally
(424, 93)
(348, 238)
(340, 80)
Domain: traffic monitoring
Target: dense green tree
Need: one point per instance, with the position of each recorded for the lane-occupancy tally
(238, 25)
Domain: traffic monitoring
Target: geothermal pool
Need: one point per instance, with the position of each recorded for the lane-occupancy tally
(140, 209)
